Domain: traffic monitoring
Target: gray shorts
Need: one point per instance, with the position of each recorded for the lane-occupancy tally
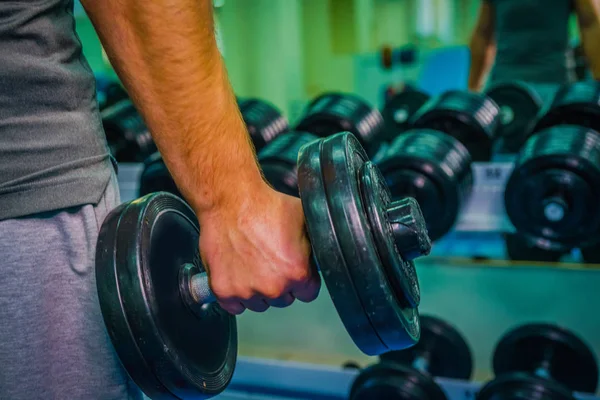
(53, 343)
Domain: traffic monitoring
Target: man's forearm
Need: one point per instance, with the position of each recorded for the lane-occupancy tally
(588, 18)
(166, 54)
(482, 56)
(590, 36)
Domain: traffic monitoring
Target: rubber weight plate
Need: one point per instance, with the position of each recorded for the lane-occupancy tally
(574, 104)
(113, 93)
(388, 380)
(399, 109)
(126, 133)
(591, 254)
(442, 351)
(519, 106)
(520, 386)
(170, 351)
(471, 118)
(549, 351)
(278, 161)
(156, 177)
(263, 121)
(333, 113)
(377, 314)
(553, 192)
(524, 248)
(433, 168)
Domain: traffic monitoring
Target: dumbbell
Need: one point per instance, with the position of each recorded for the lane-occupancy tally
(519, 106)
(109, 92)
(582, 69)
(590, 254)
(176, 342)
(128, 137)
(400, 108)
(408, 374)
(553, 192)
(263, 121)
(278, 161)
(113, 94)
(400, 56)
(432, 162)
(541, 361)
(331, 113)
(522, 248)
(325, 115)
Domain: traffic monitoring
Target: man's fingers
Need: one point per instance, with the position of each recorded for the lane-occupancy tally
(256, 304)
(233, 307)
(308, 291)
(283, 301)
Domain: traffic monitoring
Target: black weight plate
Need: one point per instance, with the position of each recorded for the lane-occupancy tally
(263, 121)
(519, 386)
(113, 93)
(519, 106)
(326, 249)
(523, 248)
(278, 161)
(565, 357)
(574, 104)
(388, 380)
(398, 110)
(435, 169)
(394, 252)
(124, 125)
(169, 351)
(156, 177)
(471, 118)
(591, 254)
(552, 194)
(346, 250)
(442, 351)
(333, 113)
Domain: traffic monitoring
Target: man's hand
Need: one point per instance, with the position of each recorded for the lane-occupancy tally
(257, 253)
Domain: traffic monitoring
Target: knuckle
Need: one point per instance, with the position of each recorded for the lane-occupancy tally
(273, 290)
(222, 291)
(228, 291)
(300, 274)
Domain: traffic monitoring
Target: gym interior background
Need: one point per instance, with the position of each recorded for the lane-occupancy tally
(288, 53)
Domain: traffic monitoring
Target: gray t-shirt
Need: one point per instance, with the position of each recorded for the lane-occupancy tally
(532, 39)
(53, 153)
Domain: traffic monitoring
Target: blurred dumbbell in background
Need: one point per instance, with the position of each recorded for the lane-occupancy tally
(432, 161)
(519, 106)
(553, 193)
(263, 121)
(399, 108)
(109, 92)
(409, 374)
(541, 361)
(331, 113)
(326, 115)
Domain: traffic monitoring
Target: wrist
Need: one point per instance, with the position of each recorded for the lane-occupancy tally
(232, 194)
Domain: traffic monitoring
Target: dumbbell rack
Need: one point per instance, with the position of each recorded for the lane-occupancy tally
(263, 379)
(484, 212)
(483, 216)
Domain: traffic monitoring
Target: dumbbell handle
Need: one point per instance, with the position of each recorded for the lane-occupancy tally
(409, 237)
(421, 363)
(200, 289)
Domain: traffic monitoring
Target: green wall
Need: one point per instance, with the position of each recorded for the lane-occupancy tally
(290, 51)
